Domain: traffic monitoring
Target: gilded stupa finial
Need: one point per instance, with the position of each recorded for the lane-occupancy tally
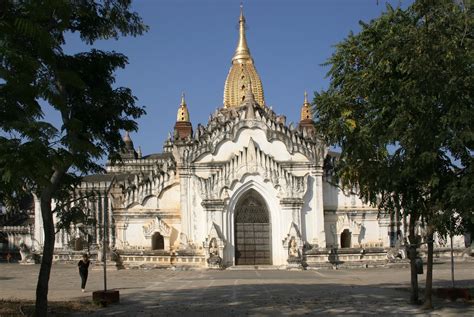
(306, 113)
(242, 73)
(242, 53)
(183, 113)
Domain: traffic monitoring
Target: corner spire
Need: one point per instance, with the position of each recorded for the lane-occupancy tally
(242, 52)
(306, 113)
(306, 123)
(183, 128)
(183, 113)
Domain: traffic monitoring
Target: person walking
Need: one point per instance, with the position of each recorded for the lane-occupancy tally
(83, 270)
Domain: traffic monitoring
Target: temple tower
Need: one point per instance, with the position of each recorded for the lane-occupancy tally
(242, 74)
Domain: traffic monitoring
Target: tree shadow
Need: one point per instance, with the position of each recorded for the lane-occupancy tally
(278, 299)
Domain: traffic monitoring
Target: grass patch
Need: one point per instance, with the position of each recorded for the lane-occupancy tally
(26, 308)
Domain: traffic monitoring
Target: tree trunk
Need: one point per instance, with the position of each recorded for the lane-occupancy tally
(412, 256)
(46, 197)
(429, 271)
(41, 307)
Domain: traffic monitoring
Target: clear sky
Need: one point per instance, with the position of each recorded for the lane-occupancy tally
(190, 45)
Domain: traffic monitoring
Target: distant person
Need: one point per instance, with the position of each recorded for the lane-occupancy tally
(83, 270)
(9, 257)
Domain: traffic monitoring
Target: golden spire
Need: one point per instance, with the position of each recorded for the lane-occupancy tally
(306, 113)
(242, 53)
(242, 74)
(183, 113)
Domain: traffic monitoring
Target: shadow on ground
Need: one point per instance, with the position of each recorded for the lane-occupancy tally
(279, 300)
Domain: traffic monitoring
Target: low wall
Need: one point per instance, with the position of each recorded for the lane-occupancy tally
(136, 259)
(313, 259)
(161, 261)
(350, 257)
(442, 253)
(66, 256)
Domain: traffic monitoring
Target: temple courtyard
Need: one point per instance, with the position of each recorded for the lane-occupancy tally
(263, 292)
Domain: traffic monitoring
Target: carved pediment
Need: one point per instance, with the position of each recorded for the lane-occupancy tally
(226, 125)
(251, 160)
(156, 225)
(293, 232)
(346, 221)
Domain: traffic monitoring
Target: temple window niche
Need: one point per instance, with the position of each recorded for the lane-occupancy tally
(346, 238)
(157, 233)
(157, 242)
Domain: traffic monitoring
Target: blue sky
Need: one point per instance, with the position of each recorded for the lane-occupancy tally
(190, 45)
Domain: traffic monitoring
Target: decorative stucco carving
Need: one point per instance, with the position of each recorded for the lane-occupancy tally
(186, 246)
(214, 247)
(346, 221)
(293, 244)
(252, 160)
(225, 124)
(156, 225)
(142, 186)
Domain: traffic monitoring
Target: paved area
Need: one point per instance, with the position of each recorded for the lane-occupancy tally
(349, 292)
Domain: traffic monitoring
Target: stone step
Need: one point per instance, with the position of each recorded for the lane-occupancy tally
(255, 267)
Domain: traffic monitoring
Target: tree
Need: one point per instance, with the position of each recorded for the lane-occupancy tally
(400, 107)
(36, 77)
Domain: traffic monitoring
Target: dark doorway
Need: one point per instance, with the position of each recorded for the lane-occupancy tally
(157, 242)
(252, 231)
(78, 244)
(346, 239)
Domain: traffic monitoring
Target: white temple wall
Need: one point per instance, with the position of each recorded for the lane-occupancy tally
(316, 227)
(335, 198)
(170, 198)
(364, 227)
(135, 236)
(150, 202)
(39, 231)
(198, 228)
(186, 201)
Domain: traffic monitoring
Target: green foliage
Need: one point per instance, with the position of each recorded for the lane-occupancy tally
(37, 76)
(400, 106)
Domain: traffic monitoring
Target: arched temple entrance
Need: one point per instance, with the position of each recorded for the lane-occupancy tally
(252, 230)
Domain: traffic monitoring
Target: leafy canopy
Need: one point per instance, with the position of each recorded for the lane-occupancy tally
(400, 106)
(38, 77)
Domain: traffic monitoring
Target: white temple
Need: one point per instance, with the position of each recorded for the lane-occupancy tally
(244, 189)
